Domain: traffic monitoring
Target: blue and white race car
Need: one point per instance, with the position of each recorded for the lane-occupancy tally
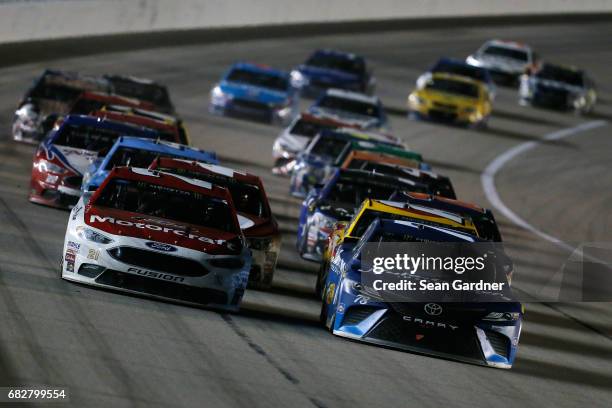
(484, 332)
(67, 151)
(325, 69)
(139, 152)
(257, 92)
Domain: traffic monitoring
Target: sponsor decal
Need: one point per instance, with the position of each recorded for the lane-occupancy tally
(160, 246)
(74, 245)
(76, 211)
(433, 309)
(429, 324)
(156, 275)
(93, 254)
(330, 293)
(419, 337)
(143, 225)
(340, 308)
(70, 266)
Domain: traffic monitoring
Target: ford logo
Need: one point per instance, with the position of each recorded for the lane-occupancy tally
(160, 246)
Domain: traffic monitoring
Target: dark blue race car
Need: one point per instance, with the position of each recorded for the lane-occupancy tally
(337, 200)
(483, 332)
(326, 69)
(255, 91)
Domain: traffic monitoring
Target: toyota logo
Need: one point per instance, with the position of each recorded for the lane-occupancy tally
(433, 309)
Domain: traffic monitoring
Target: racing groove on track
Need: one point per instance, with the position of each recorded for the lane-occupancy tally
(128, 351)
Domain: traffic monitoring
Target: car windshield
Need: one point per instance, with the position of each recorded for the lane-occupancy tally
(170, 203)
(58, 93)
(128, 156)
(247, 198)
(354, 66)
(84, 106)
(352, 192)
(432, 185)
(259, 78)
(370, 215)
(153, 93)
(461, 69)
(351, 106)
(328, 146)
(453, 87)
(506, 52)
(560, 74)
(87, 137)
(309, 129)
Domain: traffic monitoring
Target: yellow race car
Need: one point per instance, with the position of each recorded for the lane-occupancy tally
(372, 209)
(451, 98)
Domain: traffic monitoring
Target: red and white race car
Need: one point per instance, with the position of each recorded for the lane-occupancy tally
(160, 235)
(252, 205)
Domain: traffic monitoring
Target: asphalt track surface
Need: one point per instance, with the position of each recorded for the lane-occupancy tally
(123, 351)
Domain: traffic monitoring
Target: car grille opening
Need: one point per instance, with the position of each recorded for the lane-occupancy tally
(356, 314)
(161, 288)
(442, 115)
(250, 108)
(174, 265)
(499, 342)
(445, 106)
(73, 181)
(395, 331)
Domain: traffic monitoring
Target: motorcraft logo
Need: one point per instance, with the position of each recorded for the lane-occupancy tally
(180, 232)
(159, 246)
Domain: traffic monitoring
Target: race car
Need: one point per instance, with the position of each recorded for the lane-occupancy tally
(142, 89)
(451, 98)
(326, 69)
(51, 95)
(160, 235)
(139, 152)
(506, 61)
(171, 120)
(167, 129)
(363, 111)
(483, 329)
(558, 87)
(398, 210)
(321, 155)
(295, 137)
(251, 202)
(255, 91)
(462, 68)
(337, 200)
(433, 183)
(65, 154)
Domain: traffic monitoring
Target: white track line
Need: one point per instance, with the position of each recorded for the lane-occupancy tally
(487, 177)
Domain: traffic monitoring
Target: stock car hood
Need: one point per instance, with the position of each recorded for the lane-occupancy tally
(77, 159)
(293, 142)
(253, 93)
(361, 121)
(124, 223)
(449, 99)
(327, 75)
